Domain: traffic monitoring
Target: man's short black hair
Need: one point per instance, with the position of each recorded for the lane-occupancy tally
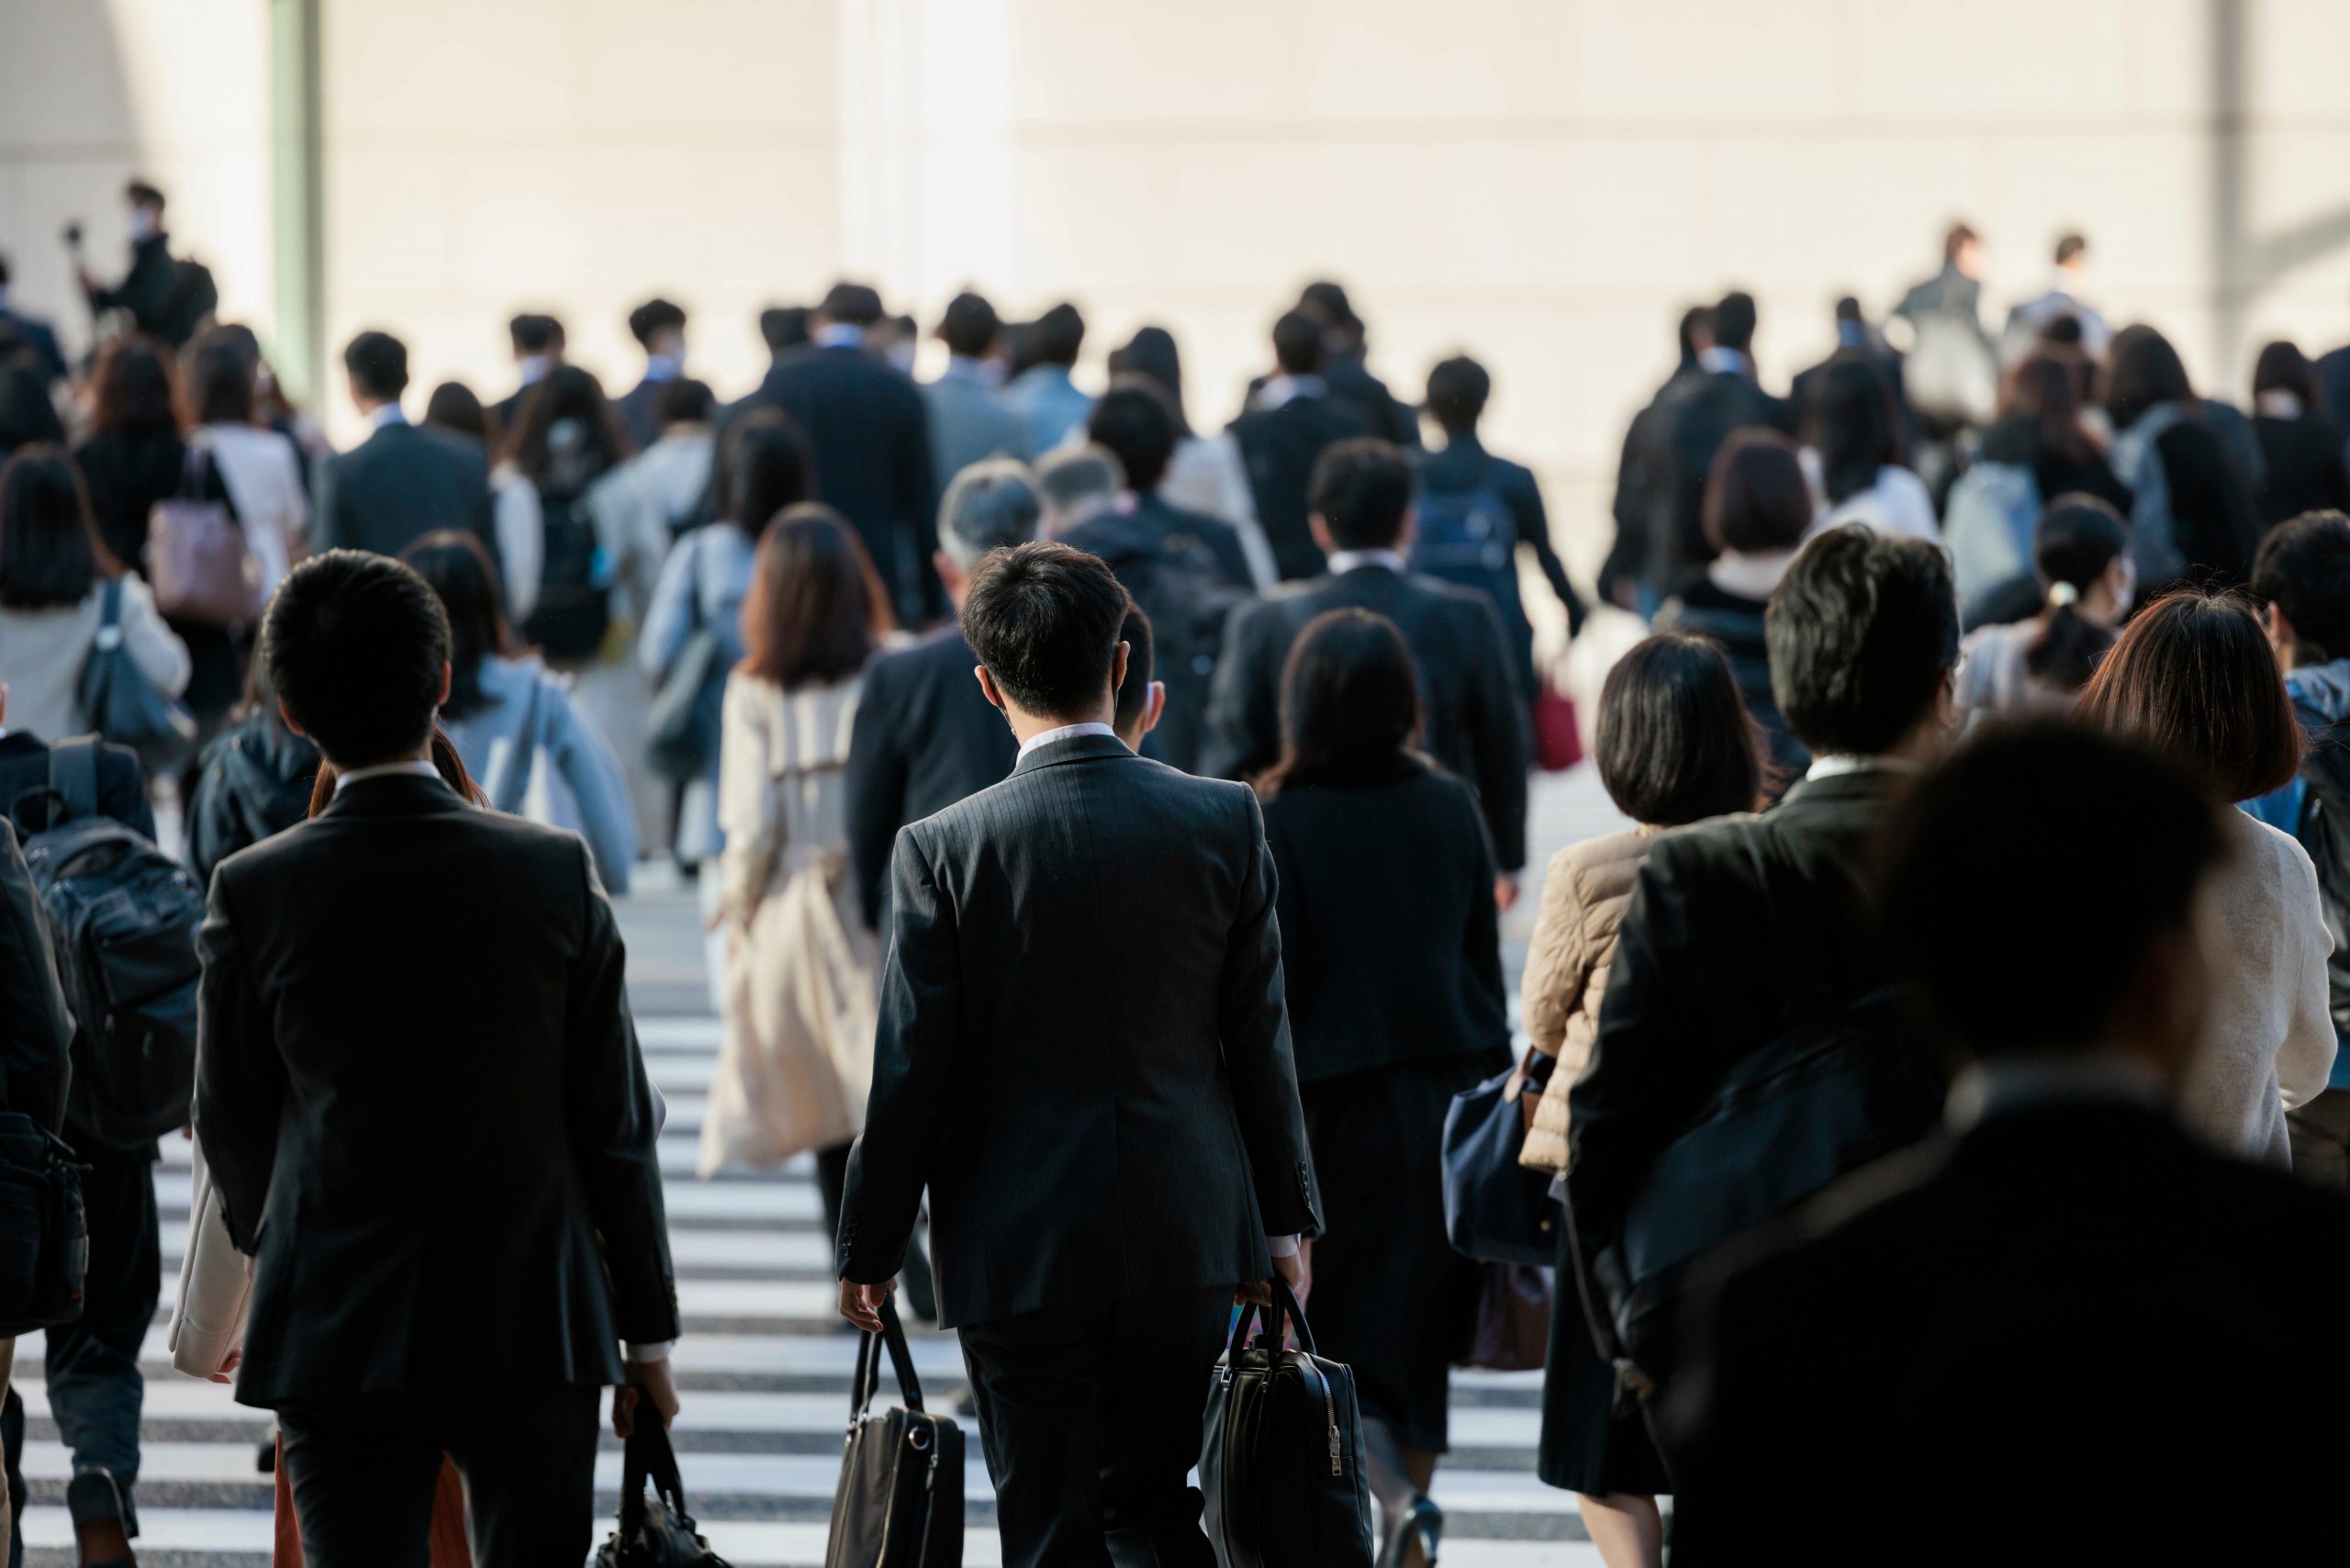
(783, 326)
(355, 644)
(1361, 490)
(1962, 881)
(1056, 336)
(1734, 322)
(141, 192)
(655, 316)
(685, 401)
(378, 366)
(1299, 346)
(1329, 298)
(1458, 388)
(1044, 619)
(1132, 419)
(1135, 695)
(852, 305)
(2070, 246)
(970, 326)
(2303, 568)
(535, 333)
(1862, 631)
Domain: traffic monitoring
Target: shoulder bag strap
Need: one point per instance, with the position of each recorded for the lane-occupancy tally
(73, 775)
(893, 1335)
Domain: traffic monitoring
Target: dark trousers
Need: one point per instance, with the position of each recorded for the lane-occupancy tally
(2319, 1132)
(1090, 1415)
(363, 1470)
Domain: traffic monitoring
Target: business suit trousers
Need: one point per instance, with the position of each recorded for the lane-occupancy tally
(364, 1468)
(1089, 1416)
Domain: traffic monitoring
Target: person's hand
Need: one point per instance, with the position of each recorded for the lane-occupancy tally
(227, 1372)
(1298, 1269)
(649, 1383)
(1515, 1091)
(1505, 893)
(861, 1305)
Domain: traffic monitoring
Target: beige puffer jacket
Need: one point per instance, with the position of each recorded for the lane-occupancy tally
(1584, 890)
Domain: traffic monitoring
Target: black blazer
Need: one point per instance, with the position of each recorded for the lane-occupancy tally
(637, 411)
(2119, 1322)
(456, 1191)
(2212, 520)
(1702, 974)
(122, 784)
(1280, 446)
(126, 474)
(924, 737)
(1471, 721)
(1714, 405)
(36, 1028)
(1082, 1050)
(39, 340)
(871, 440)
(401, 483)
(2304, 470)
(1389, 934)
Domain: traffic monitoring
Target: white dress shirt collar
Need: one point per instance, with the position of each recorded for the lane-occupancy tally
(1283, 389)
(1722, 361)
(838, 335)
(532, 368)
(414, 766)
(1065, 732)
(1345, 561)
(659, 367)
(384, 416)
(1837, 767)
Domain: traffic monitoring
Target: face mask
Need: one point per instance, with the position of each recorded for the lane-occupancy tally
(142, 223)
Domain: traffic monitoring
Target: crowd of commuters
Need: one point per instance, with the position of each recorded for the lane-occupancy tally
(1104, 830)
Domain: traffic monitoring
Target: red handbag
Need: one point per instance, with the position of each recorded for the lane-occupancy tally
(1558, 734)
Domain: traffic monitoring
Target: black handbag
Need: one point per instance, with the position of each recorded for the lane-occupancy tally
(682, 725)
(120, 703)
(654, 1532)
(1281, 1460)
(1495, 1210)
(900, 1502)
(44, 1238)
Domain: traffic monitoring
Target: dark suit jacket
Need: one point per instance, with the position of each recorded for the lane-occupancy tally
(2121, 1325)
(1714, 405)
(2305, 469)
(1470, 719)
(1354, 387)
(1642, 507)
(1280, 446)
(1082, 1051)
(1389, 934)
(40, 337)
(122, 786)
(35, 1029)
(871, 440)
(638, 412)
(460, 1190)
(1704, 971)
(924, 737)
(145, 289)
(400, 484)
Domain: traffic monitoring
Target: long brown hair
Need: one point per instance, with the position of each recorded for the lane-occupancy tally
(135, 390)
(567, 392)
(2049, 394)
(816, 608)
(2193, 675)
(445, 761)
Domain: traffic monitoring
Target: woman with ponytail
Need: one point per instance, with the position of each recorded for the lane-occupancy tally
(2081, 550)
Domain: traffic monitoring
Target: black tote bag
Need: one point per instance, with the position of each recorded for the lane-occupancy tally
(1281, 1460)
(900, 1502)
(656, 1532)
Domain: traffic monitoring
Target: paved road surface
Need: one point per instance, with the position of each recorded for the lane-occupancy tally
(764, 1364)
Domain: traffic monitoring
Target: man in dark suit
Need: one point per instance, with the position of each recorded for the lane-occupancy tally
(925, 735)
(39, 338)
(165, 296)
(866, 425)
(1083, 1055)
(1726, 397)
(538, 342)
(94, 1385)
(2129, 1326)
(659, 327)
(1185, 569)
(1855, 339)
(969, 420)
(1473, 718)
(1642, 507)
(1715, 955)
(404, 481)
(1289, 421)
(1351, 384)
(409, 1302)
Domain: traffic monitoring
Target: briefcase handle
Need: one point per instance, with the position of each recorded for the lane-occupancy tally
(648, 1455)
(868, 1380)
(1284, 1302)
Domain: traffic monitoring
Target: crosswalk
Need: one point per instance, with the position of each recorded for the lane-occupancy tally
(763, 1368)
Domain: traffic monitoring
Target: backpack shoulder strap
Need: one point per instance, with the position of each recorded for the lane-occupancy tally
(73, 775)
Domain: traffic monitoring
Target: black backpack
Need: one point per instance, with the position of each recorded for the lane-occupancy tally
(123, 915)
(575, 607)
(2324, 832)
(1187, 600)
(1469, 538)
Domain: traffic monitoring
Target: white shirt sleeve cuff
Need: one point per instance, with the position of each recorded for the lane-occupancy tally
(641, 1355)
(1281, 1246)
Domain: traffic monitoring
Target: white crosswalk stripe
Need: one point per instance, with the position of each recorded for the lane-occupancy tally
(764, 1366)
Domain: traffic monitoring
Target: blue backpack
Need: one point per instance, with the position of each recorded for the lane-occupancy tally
(1470, 537)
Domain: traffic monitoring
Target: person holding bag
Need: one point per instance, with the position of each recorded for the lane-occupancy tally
(1677, 744)
(1392, 949)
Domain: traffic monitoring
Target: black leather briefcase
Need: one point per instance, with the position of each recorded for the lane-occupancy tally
(899, 1503)
(1282, 1462)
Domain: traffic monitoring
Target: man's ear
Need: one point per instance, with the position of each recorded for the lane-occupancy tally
(1154, 708)
(288, 717)
(443, 701)
(1410, 531)
(1321, 532)
(2279, 628)
(986, 687)
(1118, 671)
